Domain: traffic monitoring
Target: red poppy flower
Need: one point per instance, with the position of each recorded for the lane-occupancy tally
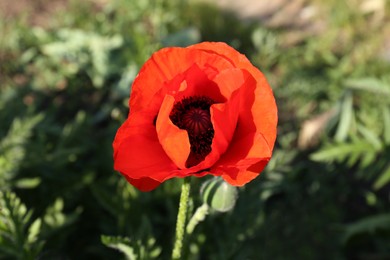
(204, 109)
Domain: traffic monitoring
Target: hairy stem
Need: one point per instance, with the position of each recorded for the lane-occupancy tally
(181, 219)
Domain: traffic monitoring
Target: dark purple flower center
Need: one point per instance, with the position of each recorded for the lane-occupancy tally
(197, 121)
(193, 115)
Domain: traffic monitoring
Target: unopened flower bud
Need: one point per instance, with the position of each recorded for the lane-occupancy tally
(219, 195)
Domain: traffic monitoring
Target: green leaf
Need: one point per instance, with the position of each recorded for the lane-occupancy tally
(107, 201)
(12, 151)
(121, 244)
(369, 84)
(367, 225)
(383, 179)
(27, 183)
(371, 137)
(34, 230)
(346, 115)
(18, 238)
(340, 151)
(54, 217)
(386, 124)
(182, 38)
(83, 50)
(367, 159)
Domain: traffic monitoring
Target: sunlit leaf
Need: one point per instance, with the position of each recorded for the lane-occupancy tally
(346, 114)
(386, 125)
(18, 237)
(121, 244)
(383, 179)
(369, 84)
(27, 183)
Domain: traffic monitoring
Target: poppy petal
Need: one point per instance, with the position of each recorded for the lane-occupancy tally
(134, 124)
(144, 184)
(237, 166)
(249, 145)
(195, 82)
(264, 110)
(137, 151)
(173, 140)
(237, 177)
(166, 64)
(224, 116)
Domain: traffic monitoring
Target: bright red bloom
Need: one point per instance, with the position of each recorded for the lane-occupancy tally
(204, 109)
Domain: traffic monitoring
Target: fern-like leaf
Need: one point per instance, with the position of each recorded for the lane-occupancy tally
(18, 237)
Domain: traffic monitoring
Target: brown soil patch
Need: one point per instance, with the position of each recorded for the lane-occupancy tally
(36, 12)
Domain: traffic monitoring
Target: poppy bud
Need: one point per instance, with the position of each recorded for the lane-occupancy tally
(219, 195)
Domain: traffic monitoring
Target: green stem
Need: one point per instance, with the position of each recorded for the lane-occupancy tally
(181, 219)
(199, 215)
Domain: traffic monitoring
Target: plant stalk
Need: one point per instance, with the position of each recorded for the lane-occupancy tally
(181, 219)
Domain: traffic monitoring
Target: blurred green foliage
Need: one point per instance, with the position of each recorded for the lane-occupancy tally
(64, 89)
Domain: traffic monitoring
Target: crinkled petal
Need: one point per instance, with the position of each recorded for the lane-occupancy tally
(255, 134)
(239, 177)
(142, 155)
(243, 154)
(138, 152)
(224, 116)
(249, 145)
(264, 110)
(195, 82)
(174, 140)
(166, 64)
(143, 184)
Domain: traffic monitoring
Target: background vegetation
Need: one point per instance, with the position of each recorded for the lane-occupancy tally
(65, 72)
